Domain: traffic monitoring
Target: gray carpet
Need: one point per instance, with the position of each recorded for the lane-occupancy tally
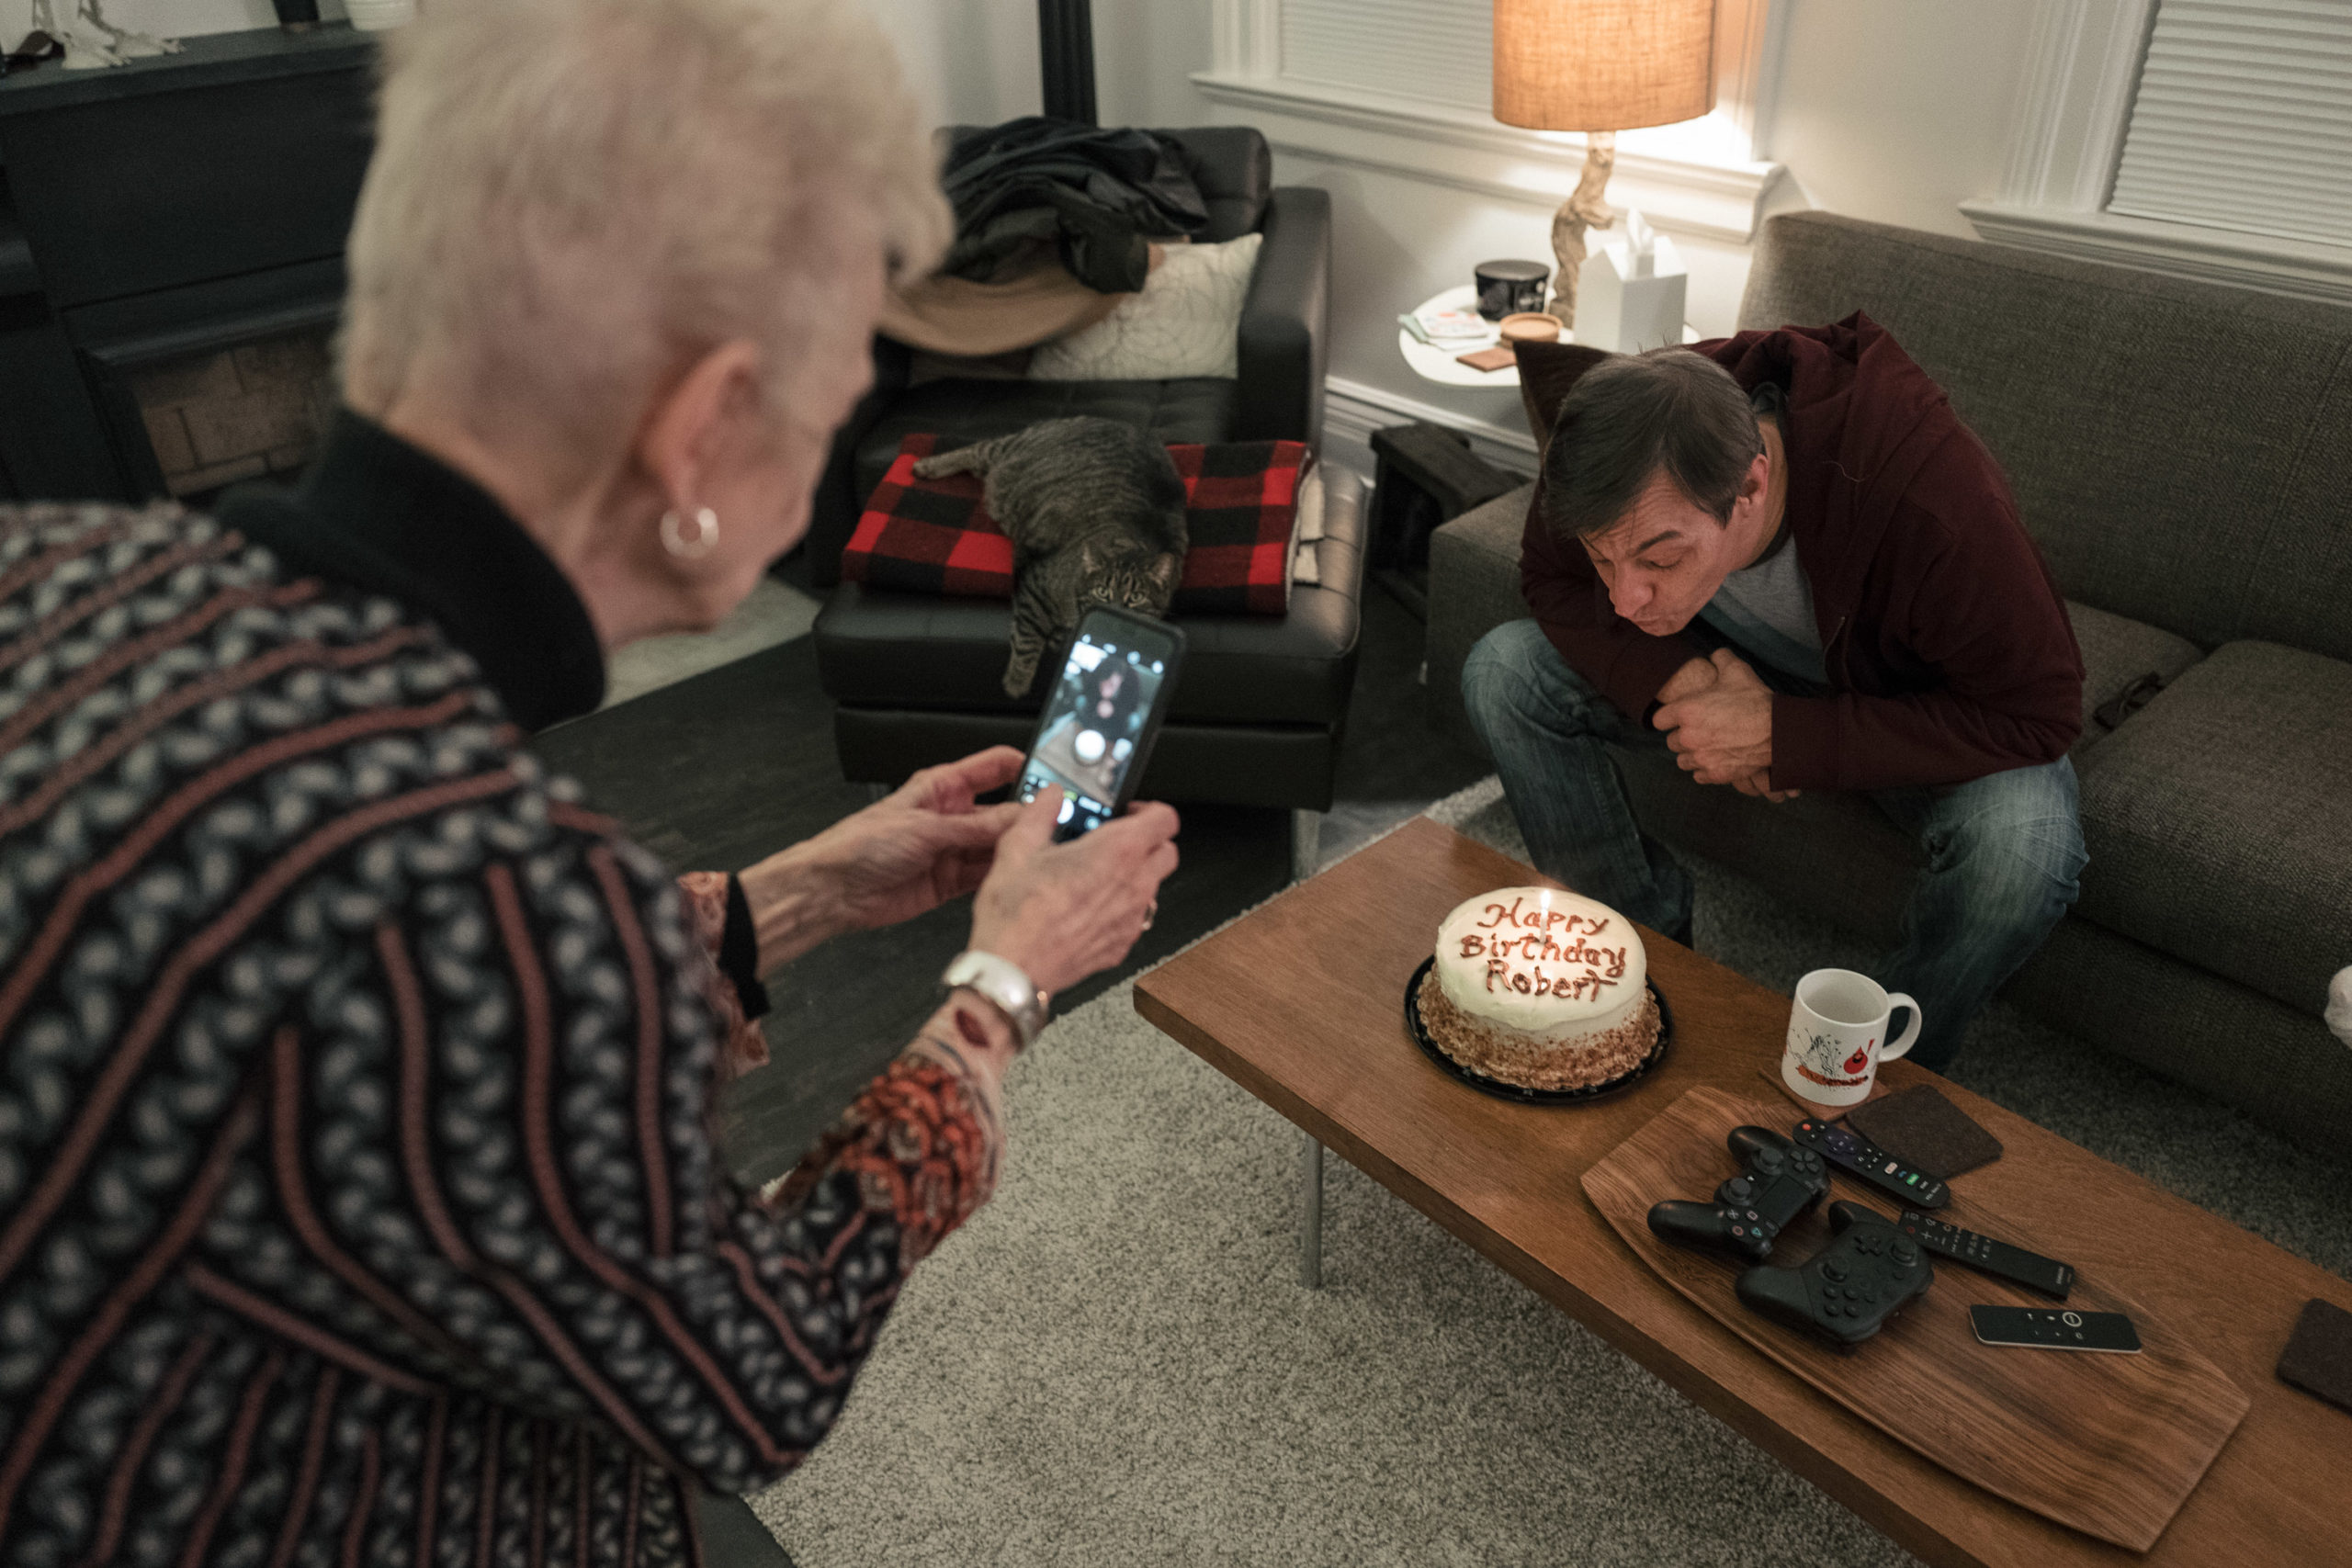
(1113, 1362)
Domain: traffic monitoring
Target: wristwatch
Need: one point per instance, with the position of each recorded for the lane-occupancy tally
(1002, 982)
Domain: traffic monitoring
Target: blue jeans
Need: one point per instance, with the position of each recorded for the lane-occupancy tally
(2004, 852)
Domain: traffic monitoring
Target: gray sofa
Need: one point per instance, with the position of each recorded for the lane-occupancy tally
(2183, 455)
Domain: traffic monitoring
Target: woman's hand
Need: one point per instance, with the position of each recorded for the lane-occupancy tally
(915, 848)
(1065, 911)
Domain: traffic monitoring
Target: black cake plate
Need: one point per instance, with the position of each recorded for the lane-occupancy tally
(1502, 1091)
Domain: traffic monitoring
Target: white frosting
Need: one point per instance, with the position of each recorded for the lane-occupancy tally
(1540, 961)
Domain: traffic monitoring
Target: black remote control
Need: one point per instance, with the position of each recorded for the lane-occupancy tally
(1849, 1150)
(2039, 1328)
(1985, 1255)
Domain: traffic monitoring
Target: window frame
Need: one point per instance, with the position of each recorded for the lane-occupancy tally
(2075, 105)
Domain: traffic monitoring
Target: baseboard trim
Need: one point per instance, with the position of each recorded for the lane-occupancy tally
(1354, 410)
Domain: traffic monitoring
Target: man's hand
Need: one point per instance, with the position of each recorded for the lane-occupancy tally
(1760, 783)
(1693, 678)
(1065, 911)
(1723, 732)
(915, 848)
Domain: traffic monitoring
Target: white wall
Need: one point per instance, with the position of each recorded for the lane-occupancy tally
(970, 61)
(164, 19)
(1899, 112)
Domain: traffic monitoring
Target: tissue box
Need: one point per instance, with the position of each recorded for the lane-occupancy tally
(1620, 309)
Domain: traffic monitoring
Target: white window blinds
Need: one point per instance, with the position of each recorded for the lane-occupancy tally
(2244, 119)
(1436, 51)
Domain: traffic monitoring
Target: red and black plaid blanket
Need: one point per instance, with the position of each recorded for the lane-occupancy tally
(934, 536)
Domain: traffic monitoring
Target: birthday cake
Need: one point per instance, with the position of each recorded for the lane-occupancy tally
(1539, 989)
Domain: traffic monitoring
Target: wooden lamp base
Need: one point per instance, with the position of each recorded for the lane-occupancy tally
(1583, 209)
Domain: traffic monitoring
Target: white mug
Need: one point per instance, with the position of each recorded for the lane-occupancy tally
(1836, 1025)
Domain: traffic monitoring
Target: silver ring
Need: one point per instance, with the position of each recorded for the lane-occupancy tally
(1151, 913)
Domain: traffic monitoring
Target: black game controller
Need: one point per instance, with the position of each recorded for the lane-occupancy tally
(1851, 1287)
(1782, 1181)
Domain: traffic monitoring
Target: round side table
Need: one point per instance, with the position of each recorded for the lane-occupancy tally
(1433, 363)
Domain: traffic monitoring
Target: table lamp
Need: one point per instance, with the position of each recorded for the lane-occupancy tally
(1598, 66)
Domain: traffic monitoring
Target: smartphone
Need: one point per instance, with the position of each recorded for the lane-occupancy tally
(1102, 716)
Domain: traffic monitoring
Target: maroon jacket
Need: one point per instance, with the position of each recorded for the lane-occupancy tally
(1947, 647)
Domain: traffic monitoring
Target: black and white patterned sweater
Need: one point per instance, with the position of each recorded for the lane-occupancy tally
(356, 1201)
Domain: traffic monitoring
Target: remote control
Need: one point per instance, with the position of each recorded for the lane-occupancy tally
(1849, 1288)
(1849, 1150)
(2039, 1328)
(1985, 1255)
(1780, 1182)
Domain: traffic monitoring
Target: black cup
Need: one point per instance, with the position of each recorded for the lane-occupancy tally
(1507, 285)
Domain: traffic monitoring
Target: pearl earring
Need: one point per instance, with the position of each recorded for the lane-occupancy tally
(706, 536)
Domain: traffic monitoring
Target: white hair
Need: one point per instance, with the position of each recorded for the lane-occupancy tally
(570, 198)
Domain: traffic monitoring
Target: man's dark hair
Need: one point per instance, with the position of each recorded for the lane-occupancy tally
(1627, 418)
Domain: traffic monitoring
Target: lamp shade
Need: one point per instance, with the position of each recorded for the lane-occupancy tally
(1603, 64)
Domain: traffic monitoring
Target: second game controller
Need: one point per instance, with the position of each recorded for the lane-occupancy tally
(1848, 1290)
(1778, 1182)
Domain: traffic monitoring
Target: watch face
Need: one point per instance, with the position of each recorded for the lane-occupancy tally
(1004, 984)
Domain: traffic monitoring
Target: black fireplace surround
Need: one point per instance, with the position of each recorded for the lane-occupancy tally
(191, 203)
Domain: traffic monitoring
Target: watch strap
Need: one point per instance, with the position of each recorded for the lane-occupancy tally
(1003, 983)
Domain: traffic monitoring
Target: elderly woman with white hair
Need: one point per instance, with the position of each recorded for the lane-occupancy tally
(357, 1196)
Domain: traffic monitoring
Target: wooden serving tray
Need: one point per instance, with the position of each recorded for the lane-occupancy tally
(2110, 1445)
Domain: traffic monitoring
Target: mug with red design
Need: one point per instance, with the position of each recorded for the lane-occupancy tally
(1836, 1027)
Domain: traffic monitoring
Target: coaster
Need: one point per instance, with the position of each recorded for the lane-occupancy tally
(1771, 1074)
(1488, 359)
(1922, 1128)
(2318, 1360)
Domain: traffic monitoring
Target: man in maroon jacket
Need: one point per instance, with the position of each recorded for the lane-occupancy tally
(1782, 556)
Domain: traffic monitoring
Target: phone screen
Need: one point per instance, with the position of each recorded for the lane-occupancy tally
(1094, 726)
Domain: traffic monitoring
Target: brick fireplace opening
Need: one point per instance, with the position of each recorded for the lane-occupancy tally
(170, 262)
(217, 417)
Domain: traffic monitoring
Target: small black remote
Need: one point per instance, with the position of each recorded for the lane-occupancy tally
(1985, 1255)
(2039, 1328)
(1849, 1150)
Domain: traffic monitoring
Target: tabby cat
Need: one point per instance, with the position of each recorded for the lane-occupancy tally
(1095, 510)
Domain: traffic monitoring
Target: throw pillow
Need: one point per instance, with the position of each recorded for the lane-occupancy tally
(1546, 371)
(1186, 321)
(1242, 501)
(1306, 529)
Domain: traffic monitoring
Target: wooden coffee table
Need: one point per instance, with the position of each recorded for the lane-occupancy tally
(1302, 1004)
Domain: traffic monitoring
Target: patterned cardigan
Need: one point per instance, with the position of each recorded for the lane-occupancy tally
(357, 1196)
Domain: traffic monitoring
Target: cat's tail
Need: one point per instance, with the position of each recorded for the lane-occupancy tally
(972, 459)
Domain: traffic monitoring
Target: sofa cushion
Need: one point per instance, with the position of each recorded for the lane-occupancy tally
(2180, 450)
(1244, 503)
(1192, 408)
(1474, 588)
(2118, 654)
(920, 651)
(2219, 826)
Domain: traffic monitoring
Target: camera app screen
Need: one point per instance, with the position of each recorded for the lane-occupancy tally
(1094, 721)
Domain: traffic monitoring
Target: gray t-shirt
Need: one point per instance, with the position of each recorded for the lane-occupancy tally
(1766, 608)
